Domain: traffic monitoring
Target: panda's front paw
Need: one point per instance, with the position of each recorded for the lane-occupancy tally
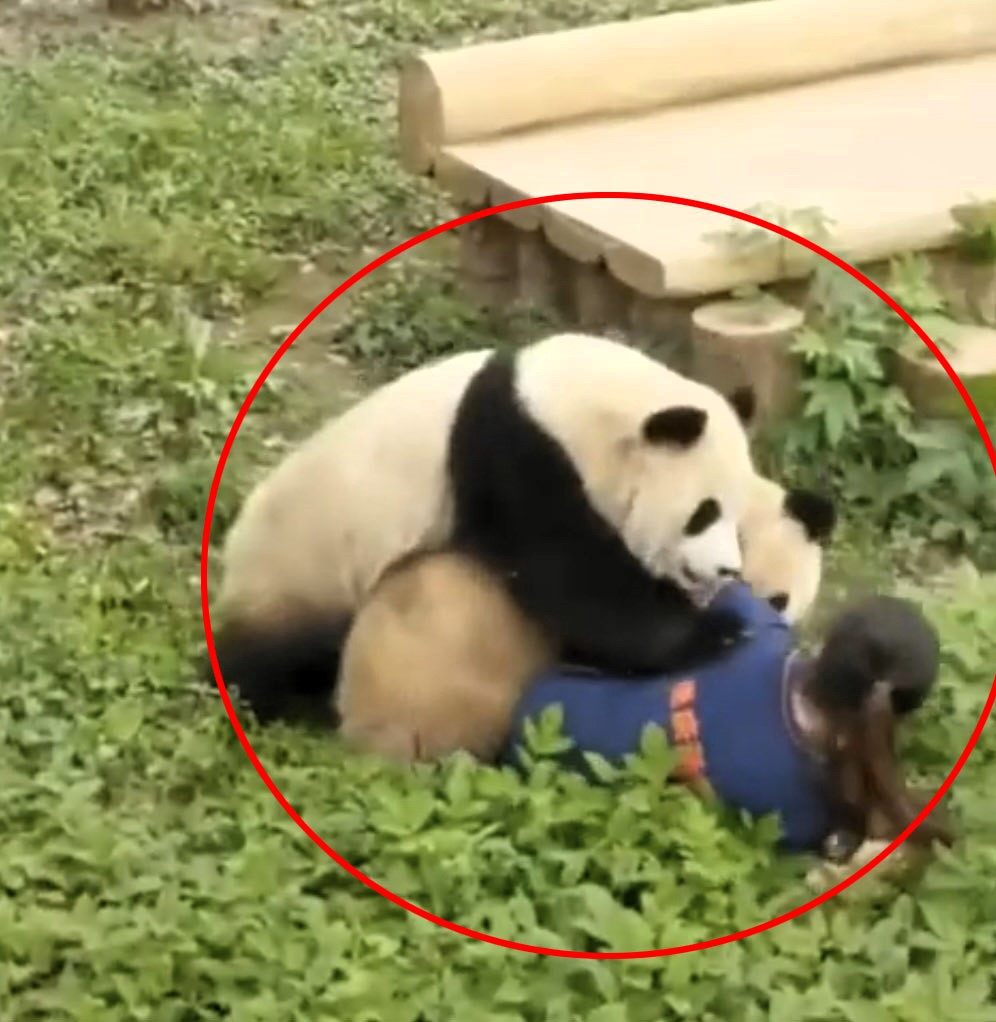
(720, 629)
(716, 632)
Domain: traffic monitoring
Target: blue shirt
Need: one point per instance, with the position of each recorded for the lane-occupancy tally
(729, 717)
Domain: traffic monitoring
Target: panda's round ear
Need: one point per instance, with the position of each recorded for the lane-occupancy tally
(815, 512)
(680, 426)
(744, 402)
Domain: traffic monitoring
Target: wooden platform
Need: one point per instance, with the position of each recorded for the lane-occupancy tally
(880, 113)
(716, 105)
(885, 155)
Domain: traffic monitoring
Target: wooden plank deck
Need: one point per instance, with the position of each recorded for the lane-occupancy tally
(880, 113)
(885, 155)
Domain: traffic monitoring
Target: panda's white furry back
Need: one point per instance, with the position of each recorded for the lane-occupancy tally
(335, 512)
(578, 468)
(321, 526)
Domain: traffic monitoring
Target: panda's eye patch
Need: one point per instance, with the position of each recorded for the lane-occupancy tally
(705, 515)
(779, 601)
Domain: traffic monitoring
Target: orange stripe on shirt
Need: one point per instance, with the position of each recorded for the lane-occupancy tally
(685, 728)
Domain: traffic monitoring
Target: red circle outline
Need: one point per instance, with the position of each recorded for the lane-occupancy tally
(251, 396)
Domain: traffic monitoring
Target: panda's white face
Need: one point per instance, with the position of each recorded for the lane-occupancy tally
(710, 548)
(663, 458)
(689, 489)
(782, 537)
(696, 543)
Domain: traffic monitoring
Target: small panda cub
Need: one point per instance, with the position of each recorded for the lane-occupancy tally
(783, 534)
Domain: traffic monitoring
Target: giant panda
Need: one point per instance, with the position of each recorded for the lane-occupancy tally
(603, 488)
(783, 534)
(439, 655)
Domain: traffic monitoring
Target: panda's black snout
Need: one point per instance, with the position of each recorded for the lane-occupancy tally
(730, 574)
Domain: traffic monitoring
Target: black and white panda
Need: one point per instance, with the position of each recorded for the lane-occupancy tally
(439, 655)
(783, 534)
(599, 484)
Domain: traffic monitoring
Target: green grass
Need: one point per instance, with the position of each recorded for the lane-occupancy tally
(154, 188)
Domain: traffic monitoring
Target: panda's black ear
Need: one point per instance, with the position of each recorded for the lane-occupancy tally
(680, 426)
(815, 512)
(744, 401)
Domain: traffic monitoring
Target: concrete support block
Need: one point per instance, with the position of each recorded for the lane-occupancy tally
(969, 287)
(600, 301)
(544, 273)
(489, 260)
(664, 327)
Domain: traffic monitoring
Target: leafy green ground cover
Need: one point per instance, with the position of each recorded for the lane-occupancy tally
(153, 185)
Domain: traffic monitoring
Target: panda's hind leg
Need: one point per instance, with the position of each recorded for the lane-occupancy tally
(393, 740)
(285, 669)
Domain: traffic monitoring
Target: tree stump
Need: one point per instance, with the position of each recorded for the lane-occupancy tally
(746, 341)
(931, 391)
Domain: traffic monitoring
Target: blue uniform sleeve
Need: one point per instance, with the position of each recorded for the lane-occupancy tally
(755, 612)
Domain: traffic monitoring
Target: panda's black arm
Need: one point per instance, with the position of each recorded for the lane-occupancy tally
(521, 507)
(571, 572)
(608, 612)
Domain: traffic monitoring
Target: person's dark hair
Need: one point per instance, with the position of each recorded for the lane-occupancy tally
(878, 663)
(877, 639)
(868, 791)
